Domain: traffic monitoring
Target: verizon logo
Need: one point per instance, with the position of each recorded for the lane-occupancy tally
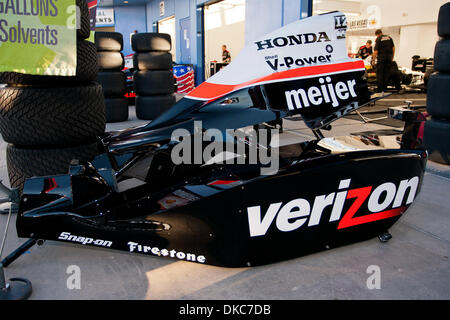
(383, 202)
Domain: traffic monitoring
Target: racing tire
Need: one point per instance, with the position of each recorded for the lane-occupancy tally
(86, 71)
(144, 42)
(116, 110)
(444, 20)
(109, 60)
(149, 108)
(441, 54)
(108, 41)
(23, 163)
(51, 116)
(438, 95)
(113, 83)
(437, 140)
(154, 60)
(157, 82)
(84, 30)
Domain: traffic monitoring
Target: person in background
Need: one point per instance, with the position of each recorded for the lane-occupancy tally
(132, 34)
(365, 51)
(226, 57)
(383, 54)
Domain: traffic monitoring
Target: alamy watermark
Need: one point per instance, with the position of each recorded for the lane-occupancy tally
(374, 280)
(203, 147)
(74, 278)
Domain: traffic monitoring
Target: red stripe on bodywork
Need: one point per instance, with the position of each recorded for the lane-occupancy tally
(218, 182)
(49, 185)
(361, 194)
(371, 217)
(210, 91)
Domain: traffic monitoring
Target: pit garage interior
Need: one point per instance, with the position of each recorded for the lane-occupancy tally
(237, 22)
(413, 264)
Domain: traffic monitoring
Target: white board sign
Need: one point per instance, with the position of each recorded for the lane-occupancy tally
(104, 17)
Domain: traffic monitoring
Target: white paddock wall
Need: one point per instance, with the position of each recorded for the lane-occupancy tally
(231, 35)
(411, 23)
(416, 40)
(417, 24)
(261, 17)
(405, 12)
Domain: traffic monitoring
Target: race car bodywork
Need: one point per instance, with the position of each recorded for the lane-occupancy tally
(323, 193)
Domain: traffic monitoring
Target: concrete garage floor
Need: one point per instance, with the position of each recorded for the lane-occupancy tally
(414, 264)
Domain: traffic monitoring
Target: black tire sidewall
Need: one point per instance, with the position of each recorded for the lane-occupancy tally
(116, 109)
(444, 20)
(155, 60)
(52, 116)
(113, 83)
(110, 60)
(149, 108)
(155, 82)
(438, 95)
(441, 55)
(437, 140)
(24, 163)
(109, 41)
(145, 42)
(84, 31)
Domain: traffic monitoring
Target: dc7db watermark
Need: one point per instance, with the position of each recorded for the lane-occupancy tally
(203, 147)
(226, 309)
(246, 309)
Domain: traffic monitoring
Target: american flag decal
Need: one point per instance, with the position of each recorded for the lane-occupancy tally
(185, 78)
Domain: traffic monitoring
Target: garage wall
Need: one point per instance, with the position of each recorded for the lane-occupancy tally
(262, 16)
(416, 21)
(291, 11)
(230, 35)
(416, 40)
(402, 13)
(181, 9)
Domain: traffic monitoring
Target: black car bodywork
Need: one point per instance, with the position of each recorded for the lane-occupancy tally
(228, 215)
(326, 193)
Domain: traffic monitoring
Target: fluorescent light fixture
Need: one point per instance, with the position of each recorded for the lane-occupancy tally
(348, 14)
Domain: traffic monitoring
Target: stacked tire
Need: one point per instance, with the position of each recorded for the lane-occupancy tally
(110, 76)
(49, 120)
(437, 129)
(153, 78)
